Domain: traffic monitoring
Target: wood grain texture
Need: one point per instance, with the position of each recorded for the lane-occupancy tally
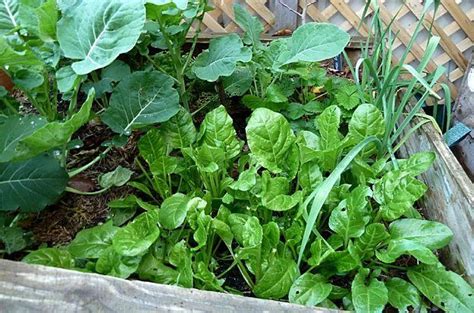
(449, 199)
(33, 288)
(284, 17)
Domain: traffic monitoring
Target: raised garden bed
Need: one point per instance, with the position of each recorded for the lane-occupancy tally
(250, 168)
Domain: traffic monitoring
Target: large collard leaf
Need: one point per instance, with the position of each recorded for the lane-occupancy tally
(368, 297)
(222, 57)
(54, 134)
(269, 138)
(217, 130)
(31, 185)
(445, 289)
(92, 242)
(250, 24)
(239, 82)
(277, 279)
(179, 131)
(95, 32)
(143, 98)
(9, 15)
(402, 294)
(314, 42)
(309, 290)
(135, 238)
(13, 130)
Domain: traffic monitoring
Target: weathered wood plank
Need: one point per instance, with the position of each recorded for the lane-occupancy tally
(284, 17)
(32, 288)
(449, 199)
(464, 113)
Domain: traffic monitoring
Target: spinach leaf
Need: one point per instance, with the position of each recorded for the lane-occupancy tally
(445, 289)
(179, 131)
(402, 294)
(50, 257)
(13, 239)
(270, 139)
(92, 243)
(277, 279)
(370, 296)
(113, 263)
(135, 238)
(309, 289)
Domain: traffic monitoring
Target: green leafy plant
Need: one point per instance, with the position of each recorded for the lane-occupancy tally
(289, 223)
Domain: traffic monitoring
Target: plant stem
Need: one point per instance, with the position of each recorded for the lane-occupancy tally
(86, 193)
(91, 163)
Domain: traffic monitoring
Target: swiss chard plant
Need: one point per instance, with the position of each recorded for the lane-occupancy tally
(206, 208)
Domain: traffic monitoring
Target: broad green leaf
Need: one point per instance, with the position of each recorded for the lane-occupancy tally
(328, 126)
(143, 98)
(309, 176)
(217, 130)
(368, 297)
(247, 179)
(208, 278)
(372, 236)
(309, 290)
(92, 242)
(54, 134)
(152, 146)
(269, 138)
(418, 163)
(47, 15)
(348, 97)
(430, 234)
(277, 279)
(154, 270)
(445, 289)
(118, 177)
(223, 231)
(180, 256)
(96, 32)
(173, 211)
(275, 193)
(113, 263)
(27, 79)
(9, 15)
(366, 121)
(179, 131)
(13, 130)
(10, 57)
(201, 226)
(252, 233)
(402, 294)
(13, 238)
(50, 257)
(137, 236)
(396, 193)
(239, 82)
(250, 24)
(32, 184)
(314, 42)
(399, 247)
(66, 78)
(222, 57)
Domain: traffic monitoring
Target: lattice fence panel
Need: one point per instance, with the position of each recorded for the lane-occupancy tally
(453, 23)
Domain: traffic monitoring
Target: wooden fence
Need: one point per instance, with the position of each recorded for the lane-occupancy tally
(453, 23)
